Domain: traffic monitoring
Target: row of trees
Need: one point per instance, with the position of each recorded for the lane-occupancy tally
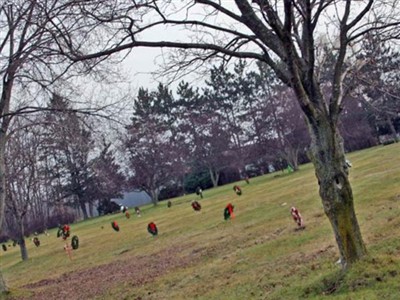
(234, 122)
(243, 121)
(54, 162)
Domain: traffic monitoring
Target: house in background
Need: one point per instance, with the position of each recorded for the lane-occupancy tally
(134, 198)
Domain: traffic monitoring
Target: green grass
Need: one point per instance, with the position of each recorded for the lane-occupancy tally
(257, 255)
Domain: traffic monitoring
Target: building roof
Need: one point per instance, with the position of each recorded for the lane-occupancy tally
(134, 198)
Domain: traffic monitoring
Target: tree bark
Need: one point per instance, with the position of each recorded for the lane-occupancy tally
(392, 129)
(3, 286)
(22, 247)
(83, 208)
(327, 154)
(214, 177)
(3, 138)
(2, 177)
(154, 196)
(91, 210)
(292, 157)
(21, 240)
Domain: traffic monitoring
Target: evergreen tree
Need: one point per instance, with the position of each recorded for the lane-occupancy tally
(378, 84)
(155, 155)
(68, 145)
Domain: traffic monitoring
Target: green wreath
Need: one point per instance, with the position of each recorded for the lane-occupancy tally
(36, 241)
(75, 242)
(59, 232)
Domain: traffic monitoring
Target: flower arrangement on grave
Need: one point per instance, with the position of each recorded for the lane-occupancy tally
(152, 229)
(196, 205)
(297, 217)
(115, 226)
(228, 212)
(75, 242)
(4, 247)
(63, 231)
(237, 190)
(138, 212)
(127, 214)
(169, 203)
(36, 241)
(199, 192)
(68, 250)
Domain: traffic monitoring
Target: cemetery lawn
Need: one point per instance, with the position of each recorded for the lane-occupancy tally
(257, 255)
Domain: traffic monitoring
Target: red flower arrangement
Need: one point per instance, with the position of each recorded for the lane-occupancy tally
(196, 205)
(138, 212)
(297, 217)
(115, 226)
(237, 190)
(228, 212)
(152, 229)
(63, 231)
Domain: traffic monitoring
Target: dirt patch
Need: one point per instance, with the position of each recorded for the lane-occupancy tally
(318, 215)
(312, 255)
(96, 281)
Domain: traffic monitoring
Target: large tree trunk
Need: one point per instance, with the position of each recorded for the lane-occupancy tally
(83, 208)
(91, 210)
(154, 196)
(214, 176)
(2, 177)
(3, 286)
(328, 157)
(392, 129)
(22, 247)
(292, 157)
(21, 240)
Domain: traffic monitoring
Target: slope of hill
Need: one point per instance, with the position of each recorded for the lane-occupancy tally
(199, 255)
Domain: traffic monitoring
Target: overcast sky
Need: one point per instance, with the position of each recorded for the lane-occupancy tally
(141, 62)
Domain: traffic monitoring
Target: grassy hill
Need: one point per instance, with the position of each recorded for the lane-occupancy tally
(257, 255)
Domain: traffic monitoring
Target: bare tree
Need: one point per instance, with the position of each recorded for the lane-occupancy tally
(153, 159)
(23, 183)
(207, 140)
(152, 144)
(109, 181)
(378, 82)
(283, 122)
(357, 129)
(289, 125)
(282, 34)
(69, 141)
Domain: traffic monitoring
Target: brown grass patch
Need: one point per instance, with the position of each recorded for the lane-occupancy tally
(96, 281)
